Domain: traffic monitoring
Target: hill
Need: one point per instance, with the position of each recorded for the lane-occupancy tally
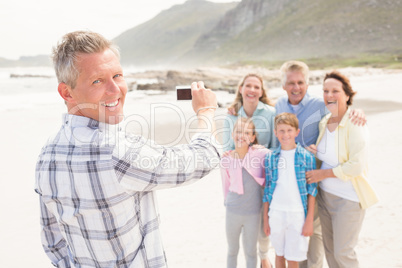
(25, 61)
(172, 33)
(267, 30)
(304, 29)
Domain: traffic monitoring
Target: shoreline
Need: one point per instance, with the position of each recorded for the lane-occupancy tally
(218, 78)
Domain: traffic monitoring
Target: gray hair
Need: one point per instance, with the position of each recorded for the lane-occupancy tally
(73, 44)
(291, 66)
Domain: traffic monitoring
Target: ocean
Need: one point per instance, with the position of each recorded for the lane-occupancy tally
(22, 88)
(23, 91)
(43, 80)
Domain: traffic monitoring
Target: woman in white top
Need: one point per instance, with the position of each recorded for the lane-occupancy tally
(344, 190)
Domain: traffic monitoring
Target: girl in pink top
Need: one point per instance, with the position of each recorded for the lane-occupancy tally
(243, 179)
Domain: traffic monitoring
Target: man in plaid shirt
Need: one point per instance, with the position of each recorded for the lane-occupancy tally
(96, 183)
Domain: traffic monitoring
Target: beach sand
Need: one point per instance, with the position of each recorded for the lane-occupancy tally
(192, 217)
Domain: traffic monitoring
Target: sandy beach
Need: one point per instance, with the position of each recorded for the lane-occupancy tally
(192, 217)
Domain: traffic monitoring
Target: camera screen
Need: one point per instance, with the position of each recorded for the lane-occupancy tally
(183, 93)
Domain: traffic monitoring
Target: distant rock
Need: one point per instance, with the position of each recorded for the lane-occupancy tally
(227, 79)
(30, 76)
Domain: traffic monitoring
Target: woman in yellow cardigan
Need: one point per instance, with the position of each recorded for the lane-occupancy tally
(344, 192)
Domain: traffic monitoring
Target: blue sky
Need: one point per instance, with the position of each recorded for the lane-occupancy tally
(29, 28)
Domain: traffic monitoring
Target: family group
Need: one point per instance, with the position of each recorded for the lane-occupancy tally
(295, 174)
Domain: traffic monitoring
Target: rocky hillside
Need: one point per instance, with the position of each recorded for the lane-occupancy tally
(171, 34)
(236, 21)
(264, 30)
(303, 29)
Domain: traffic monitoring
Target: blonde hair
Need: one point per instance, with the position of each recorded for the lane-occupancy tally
(287, 119)
(66, 53)
(292, 66)
(248, 123)
(238, 101)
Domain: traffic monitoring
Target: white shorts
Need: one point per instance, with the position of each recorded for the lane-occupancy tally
(286, 234)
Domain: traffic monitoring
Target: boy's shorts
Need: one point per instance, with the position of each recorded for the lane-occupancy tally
(286, 234)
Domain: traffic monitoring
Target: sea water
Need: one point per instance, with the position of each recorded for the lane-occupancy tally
(23, 91)
(32, 86)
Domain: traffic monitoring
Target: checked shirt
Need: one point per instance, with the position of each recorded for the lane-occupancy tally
(96, 186)
(304, 161)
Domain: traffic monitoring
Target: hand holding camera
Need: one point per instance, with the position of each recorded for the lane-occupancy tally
(183, 92)
(203, 100)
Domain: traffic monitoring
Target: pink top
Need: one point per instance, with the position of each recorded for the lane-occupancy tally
(231, 170)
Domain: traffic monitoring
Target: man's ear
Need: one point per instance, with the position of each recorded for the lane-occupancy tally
(64, 91)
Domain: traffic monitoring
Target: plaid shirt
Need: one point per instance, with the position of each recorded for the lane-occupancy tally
(96, 193)
(304, 161)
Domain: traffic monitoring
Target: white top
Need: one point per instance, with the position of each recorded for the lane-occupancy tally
(327, 154)
(286, 196)
(296, 107)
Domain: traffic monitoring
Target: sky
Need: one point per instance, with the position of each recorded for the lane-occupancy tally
(33, 27)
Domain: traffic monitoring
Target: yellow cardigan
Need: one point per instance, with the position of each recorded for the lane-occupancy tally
(351, 144)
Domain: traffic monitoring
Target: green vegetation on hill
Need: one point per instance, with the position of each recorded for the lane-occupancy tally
(325, 32)
(385, 61)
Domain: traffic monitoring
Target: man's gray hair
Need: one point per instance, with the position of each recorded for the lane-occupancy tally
(67, 51)
(297, 66)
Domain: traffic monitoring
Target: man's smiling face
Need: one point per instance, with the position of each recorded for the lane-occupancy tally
(100, 91)
(295, 86)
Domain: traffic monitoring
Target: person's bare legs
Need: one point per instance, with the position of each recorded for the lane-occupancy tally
(265, 263)
(280, 262)
(293, 264)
